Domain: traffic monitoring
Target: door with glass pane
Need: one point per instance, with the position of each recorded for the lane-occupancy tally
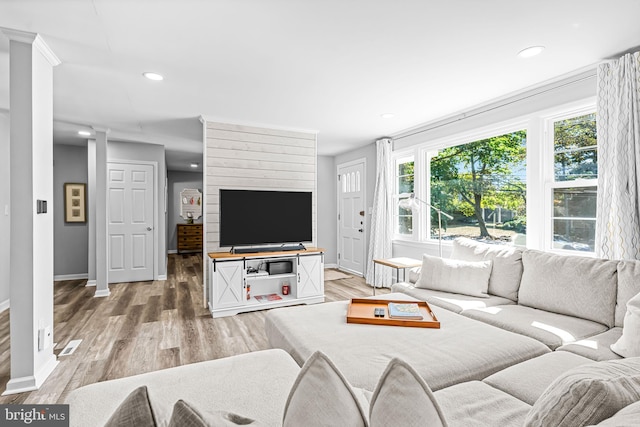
(351, 216)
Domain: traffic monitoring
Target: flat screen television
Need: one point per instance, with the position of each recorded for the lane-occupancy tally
(259, 217)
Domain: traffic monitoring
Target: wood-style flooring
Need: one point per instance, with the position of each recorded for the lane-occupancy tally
(142, 327)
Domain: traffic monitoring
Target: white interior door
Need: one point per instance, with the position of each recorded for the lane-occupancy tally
(130, 222)
(351, 217)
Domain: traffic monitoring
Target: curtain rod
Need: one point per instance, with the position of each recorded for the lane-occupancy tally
(505, 104)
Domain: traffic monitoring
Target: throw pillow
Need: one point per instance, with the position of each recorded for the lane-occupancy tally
(403, 398)
(587, 394)
(628, 345)
(460, 277)
(506, 270)
(321, 396)
(185, 415)
(135, 410)
(627, 416)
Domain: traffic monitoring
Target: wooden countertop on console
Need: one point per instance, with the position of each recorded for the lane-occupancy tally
(229, 255)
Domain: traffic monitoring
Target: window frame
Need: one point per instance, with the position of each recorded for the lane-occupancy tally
(397, 159)
(550, 183)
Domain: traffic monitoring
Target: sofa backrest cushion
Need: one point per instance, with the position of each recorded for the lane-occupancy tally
(452, 275)
(628, 287)
(507, 264)
(587, 394)
(576, 286)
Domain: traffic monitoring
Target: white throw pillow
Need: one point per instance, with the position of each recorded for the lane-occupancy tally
(628, 345)
(459, 277)
(321, 396)
(403, 398)
(587, 394)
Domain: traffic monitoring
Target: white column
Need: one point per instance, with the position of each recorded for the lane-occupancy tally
(31, 176)
(102, 254)
(91, 211)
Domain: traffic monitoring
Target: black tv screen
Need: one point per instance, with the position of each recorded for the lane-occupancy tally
(256, 217)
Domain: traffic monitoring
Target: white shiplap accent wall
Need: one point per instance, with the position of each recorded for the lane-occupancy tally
(253, 158)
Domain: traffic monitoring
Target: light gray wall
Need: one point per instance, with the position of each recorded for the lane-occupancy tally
(70, 240)
(367, 152)
(178, 181)
(129, 151)
(4, 204)
(327, 209)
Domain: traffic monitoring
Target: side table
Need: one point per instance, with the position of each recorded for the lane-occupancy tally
(397, 263)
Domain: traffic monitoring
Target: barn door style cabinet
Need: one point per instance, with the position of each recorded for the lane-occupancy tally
(256, 281)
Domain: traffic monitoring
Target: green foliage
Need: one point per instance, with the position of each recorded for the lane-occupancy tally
(575, 141)
(469, 177)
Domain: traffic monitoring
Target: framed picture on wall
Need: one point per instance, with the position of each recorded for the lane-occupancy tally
(75, 202)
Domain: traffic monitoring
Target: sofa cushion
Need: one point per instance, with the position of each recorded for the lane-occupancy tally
(507, 264)
(135, 410)
(450, 301)
(322, 396)
(596, 347)
(549, 328)
(461, 350)
(262, 378)
(477, 404)
(628, 287)
(528, 380)
(628, 345)
(588, 394)
(576, 286)
(449, 275)
(402, 398)
(627, 416)
(185, 415)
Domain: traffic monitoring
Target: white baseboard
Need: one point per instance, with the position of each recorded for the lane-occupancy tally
(172, 251)
(91, 282)
(31, 382)
(162, 277)
(331, 266)
(100, 293)
(4, 305)
(80, 276)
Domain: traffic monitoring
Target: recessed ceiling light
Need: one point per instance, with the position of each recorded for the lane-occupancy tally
(153, 76)
(530, 51)
(194, 165)
(84, 133)
(387, 115)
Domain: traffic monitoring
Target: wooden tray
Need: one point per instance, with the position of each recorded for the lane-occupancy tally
(361, 311)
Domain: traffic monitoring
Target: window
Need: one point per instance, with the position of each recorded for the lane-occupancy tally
(482, 184)
(404, 172)
(574, 185)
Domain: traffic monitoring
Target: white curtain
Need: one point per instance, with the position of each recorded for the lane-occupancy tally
(381, 230)
(618, 212)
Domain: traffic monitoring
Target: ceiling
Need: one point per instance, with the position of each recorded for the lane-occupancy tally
(331, 66)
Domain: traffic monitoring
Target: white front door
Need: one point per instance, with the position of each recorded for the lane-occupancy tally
(351, 217)
(130, 222)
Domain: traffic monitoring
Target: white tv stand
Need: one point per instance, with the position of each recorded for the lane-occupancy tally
(233, 289)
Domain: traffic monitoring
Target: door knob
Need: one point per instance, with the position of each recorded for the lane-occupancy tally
(360, 230)
(149, 228)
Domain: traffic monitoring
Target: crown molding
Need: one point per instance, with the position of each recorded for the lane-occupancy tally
(35, 40)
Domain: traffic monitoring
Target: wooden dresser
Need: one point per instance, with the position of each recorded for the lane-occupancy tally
(189, 237)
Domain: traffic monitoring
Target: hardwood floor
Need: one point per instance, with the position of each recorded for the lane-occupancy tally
(142, 327)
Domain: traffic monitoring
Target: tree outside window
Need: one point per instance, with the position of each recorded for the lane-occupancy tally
(404, 184)
(483, 185)
(574, 188)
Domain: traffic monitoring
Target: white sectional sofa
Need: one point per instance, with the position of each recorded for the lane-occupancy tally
(506, 358)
